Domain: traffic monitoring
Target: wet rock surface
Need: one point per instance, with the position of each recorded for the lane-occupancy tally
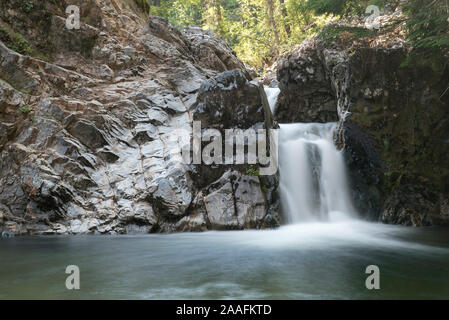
(415, 206)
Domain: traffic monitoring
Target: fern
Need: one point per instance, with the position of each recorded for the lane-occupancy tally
(428, 24)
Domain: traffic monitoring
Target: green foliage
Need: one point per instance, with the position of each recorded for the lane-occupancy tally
(428, 24)
(15, 41)
(342, 7)
(27, 6)
(143, 5)
(24, 109)
(334, 31)
(261, 30)
(326, 6)
(247, 25)
(253, 172)
(22, 45)
(386, 144)
(181, 13)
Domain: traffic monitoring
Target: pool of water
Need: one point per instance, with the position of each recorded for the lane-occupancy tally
(304, 261)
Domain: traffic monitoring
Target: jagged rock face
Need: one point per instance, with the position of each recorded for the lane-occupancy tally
(306, 90)
(87, 142)
(415, 205)
(229, 101)
(365, 167)
(393, 123)
(213, 53)
(17, 72)
(42, 23)
(236, 201)
(401, 109)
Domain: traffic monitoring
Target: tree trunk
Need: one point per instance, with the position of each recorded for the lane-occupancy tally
(216, 18)
(270, 7)
(284, 17)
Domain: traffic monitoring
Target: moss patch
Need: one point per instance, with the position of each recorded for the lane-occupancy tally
(253, 172)
(16, 42)
(27, 6)
(403, 111)
(406, 142)
(24, 109)
(333, 32)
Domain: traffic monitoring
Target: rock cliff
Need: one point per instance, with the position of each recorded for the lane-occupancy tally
(86, 123)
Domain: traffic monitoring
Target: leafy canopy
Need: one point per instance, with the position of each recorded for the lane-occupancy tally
(261, 30)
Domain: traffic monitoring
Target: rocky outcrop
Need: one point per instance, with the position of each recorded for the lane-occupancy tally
(229, 101)
(365, 170)
(38, 27)
(410, 136)
(235, 201)
(306, 90)
(87, 143)
(392, 114)
(415, 205)
(213, 53)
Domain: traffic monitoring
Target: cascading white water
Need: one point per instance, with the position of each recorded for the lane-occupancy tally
(313, 183)
(272, 97)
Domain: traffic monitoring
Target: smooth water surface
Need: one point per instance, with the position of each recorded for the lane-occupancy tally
(305, 261)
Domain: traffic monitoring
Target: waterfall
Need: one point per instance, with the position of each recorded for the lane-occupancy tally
(272, 97)
(313, 183)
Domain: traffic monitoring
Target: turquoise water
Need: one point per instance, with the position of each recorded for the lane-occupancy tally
(306, 261)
